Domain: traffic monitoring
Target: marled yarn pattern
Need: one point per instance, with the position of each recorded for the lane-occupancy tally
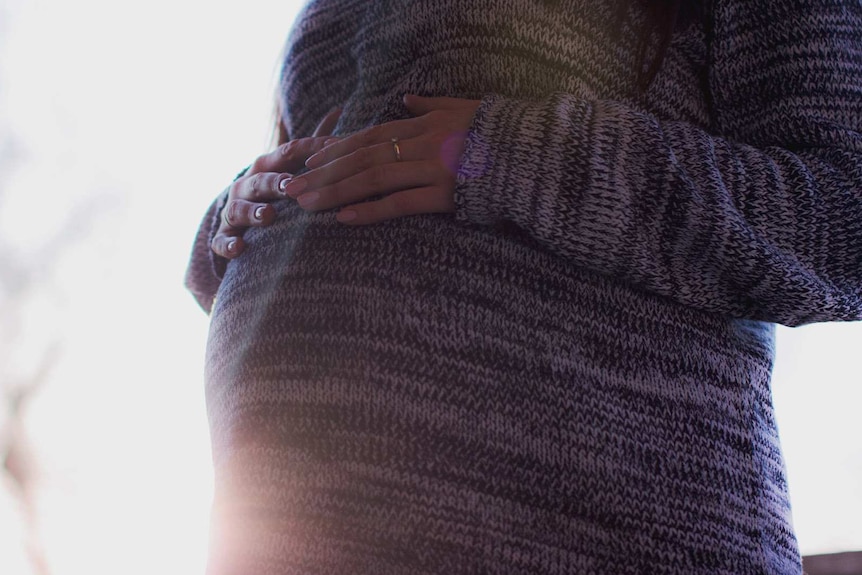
(571, 373)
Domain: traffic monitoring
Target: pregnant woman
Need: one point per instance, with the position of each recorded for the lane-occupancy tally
(503, 301)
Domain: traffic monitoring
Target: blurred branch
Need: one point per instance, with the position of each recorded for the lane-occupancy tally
(18, 281)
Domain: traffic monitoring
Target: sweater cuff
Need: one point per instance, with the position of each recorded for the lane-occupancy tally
(518, 154)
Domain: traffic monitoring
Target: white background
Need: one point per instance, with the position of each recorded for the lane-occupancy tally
(122, 121)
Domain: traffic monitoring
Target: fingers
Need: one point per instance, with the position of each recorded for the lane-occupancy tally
(377, 180)
(248, 204)
(243, 209)
(260, 187)
(289, 157)
(363, 159)
(227, 245)
(238, 216)
(367, 164)
(380, 134)
(425, 200)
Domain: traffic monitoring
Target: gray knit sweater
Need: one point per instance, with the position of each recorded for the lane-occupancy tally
(570, 374)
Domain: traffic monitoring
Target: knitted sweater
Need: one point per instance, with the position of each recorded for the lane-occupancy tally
(571, 373)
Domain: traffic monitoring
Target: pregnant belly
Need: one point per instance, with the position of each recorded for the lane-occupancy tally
(390, 395)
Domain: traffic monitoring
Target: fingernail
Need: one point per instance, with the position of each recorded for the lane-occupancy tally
(282, 185)
(345, 216)
(258, 212)
(231, 245)
(315, 160)
(329, 142)
(294, 187)
(308, 199)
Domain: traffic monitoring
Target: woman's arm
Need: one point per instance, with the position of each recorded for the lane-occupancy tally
(763, 223)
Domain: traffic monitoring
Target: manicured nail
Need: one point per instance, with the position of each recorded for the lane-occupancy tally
(345, 216)
(308, 199)
(294, 188)
(283, 184)
(258, 212)
(231, 245)
(315, 160)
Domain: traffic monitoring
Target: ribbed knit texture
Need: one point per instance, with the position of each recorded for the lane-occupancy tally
(571, 373)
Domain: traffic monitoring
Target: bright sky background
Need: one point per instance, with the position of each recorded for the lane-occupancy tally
(127, 118)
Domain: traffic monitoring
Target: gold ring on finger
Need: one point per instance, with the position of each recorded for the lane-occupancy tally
(397, 149)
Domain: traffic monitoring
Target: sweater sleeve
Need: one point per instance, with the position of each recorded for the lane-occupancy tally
(761, 219)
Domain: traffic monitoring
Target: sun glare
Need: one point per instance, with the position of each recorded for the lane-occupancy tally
(124, 122)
